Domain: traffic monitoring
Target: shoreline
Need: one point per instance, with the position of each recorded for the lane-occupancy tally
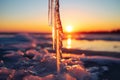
(89, 52)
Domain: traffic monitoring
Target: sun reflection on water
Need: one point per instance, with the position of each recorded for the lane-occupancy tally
(69, 41)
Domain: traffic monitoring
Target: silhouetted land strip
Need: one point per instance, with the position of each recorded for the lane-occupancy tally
(117, 31)
(97, 32)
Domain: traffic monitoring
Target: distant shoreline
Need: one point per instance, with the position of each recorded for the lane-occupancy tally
(97, 32)
(79, 32)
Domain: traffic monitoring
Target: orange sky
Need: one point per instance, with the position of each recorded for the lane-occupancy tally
(82, 15)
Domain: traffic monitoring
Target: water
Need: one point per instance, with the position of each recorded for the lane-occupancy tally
(94, 42)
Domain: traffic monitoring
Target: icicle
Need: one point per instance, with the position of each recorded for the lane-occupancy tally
(53, 25)
(51, 20)
(59, 27)
(49, 12)
(57, 32)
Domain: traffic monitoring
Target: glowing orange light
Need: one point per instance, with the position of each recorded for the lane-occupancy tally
(69, 29)
(69, 41)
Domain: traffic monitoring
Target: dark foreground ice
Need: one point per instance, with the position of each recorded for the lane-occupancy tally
(41, 65)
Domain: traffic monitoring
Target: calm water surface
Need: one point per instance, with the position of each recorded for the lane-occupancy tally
(93, 42)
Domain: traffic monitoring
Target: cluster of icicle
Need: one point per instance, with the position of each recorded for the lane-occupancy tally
(57, 31)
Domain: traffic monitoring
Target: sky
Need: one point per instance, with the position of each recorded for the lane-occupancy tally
(81, 15)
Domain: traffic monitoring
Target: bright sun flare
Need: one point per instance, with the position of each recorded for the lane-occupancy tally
(69, 29)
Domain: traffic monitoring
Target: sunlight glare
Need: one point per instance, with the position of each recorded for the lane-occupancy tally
(69, 28)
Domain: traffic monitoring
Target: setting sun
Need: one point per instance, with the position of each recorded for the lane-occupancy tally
(69, 29)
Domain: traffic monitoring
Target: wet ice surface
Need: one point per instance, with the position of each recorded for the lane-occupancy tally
(23, 58)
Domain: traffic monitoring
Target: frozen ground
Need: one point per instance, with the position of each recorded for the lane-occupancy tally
(41, 65)
(23, 57)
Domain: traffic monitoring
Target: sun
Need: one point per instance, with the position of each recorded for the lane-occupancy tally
(69, 29)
